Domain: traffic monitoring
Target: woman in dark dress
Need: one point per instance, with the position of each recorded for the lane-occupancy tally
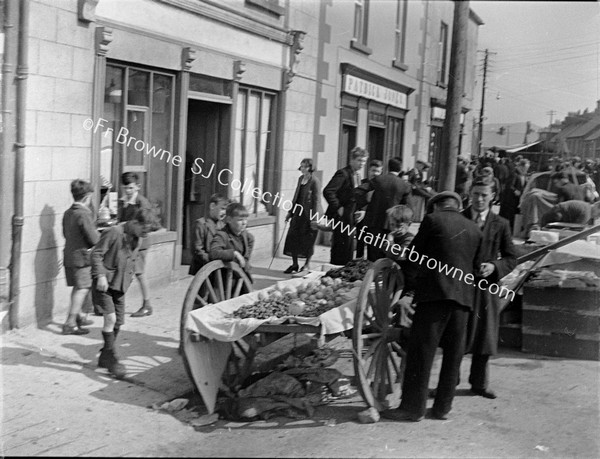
(301, 237)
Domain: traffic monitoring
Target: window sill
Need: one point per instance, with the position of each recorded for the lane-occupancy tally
(360, 47)
(399, 65)
(441, 85)
(161, 236)
(260, 221)
(269, 6)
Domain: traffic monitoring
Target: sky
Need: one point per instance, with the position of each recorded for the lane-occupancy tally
(547, 58)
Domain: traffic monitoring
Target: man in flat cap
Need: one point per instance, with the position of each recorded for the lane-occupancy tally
(440, 261)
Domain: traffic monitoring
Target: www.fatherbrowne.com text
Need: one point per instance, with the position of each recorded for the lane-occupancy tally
(225, 178)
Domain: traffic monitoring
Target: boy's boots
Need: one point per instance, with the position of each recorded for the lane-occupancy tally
(108, 359)
(144, 311)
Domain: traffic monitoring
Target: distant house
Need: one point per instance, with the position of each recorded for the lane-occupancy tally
(578, 139)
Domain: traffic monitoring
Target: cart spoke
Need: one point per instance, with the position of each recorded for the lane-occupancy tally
(371, 336)
(200, 300)
(373, 362)
(372, 348)
(228, 284)
(211, 291)
(238, 287)
(393, 360)
(220, 288)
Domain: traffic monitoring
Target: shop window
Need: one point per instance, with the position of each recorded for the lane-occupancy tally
(140, 101)
(400, 34)
(361, 26)
(254, 159)
(443, 55)
(394, 137)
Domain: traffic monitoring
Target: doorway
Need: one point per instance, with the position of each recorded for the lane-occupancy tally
(376, 142)
(207, 153)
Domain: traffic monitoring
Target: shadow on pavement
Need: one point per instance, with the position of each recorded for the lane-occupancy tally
(152, 362)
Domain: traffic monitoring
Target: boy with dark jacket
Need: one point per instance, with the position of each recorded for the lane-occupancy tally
(80, 236)
(113, 268)
(205, 230)
(234, 243)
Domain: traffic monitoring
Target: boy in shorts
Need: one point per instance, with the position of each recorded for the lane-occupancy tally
(80, 235)
(113, 268)
(233, 242)
(128, 205)
(205, 229)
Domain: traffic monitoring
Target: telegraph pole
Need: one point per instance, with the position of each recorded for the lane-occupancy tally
(551, 113)
(456, 85)
(485, 68)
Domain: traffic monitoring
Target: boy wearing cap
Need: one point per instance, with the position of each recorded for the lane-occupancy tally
(80, 236)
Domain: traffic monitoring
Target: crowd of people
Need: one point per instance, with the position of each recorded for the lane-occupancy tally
(458, 228)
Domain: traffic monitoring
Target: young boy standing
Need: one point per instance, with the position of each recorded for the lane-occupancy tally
(234, 243)
(113, 267)
(128, 205)
(399, 220)
(205, 230)
(80, 236)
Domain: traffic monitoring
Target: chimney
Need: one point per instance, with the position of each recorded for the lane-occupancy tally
(598, 107)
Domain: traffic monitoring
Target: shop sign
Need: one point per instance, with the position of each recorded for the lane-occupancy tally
(439, 113)
(363, 88)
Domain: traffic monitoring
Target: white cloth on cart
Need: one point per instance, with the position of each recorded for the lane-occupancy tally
(215, 322)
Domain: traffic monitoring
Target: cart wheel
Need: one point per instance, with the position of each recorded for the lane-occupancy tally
(378, 362)
(216, 281)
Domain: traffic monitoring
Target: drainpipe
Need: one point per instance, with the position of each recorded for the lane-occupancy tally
(7, 144)
(17, 221)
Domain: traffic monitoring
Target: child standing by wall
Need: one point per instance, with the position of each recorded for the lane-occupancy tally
(234, 243)
(113, 267)
(128, 205)
(205, 230)
(80, 236)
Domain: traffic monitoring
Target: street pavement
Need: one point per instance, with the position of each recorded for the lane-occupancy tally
(56, 402)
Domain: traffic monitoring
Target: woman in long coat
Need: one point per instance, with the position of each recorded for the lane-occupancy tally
(300, 240)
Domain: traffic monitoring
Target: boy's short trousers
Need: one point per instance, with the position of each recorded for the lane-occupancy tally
(79, 277)
(109, 302)
(140, 262)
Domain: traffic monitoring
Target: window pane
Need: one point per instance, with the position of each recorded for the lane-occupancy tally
(203, 83)
(251, 159)
(264, 150)
(139, 85)
(136, 125)
(159, 167)
(110, 151)
(239, 141)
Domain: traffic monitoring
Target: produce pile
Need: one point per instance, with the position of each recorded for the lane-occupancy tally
(310, 300)
(352, 271)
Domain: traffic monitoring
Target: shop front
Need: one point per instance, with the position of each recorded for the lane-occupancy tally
(373, 113)
(190, 120)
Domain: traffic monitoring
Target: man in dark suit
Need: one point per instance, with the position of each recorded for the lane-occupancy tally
(498, 258)
(339, 194)
(439, 270)
(389, 190)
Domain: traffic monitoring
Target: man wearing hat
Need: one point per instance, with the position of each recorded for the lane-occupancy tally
(442, 256)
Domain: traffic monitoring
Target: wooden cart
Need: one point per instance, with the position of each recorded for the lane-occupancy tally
(378, 356)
